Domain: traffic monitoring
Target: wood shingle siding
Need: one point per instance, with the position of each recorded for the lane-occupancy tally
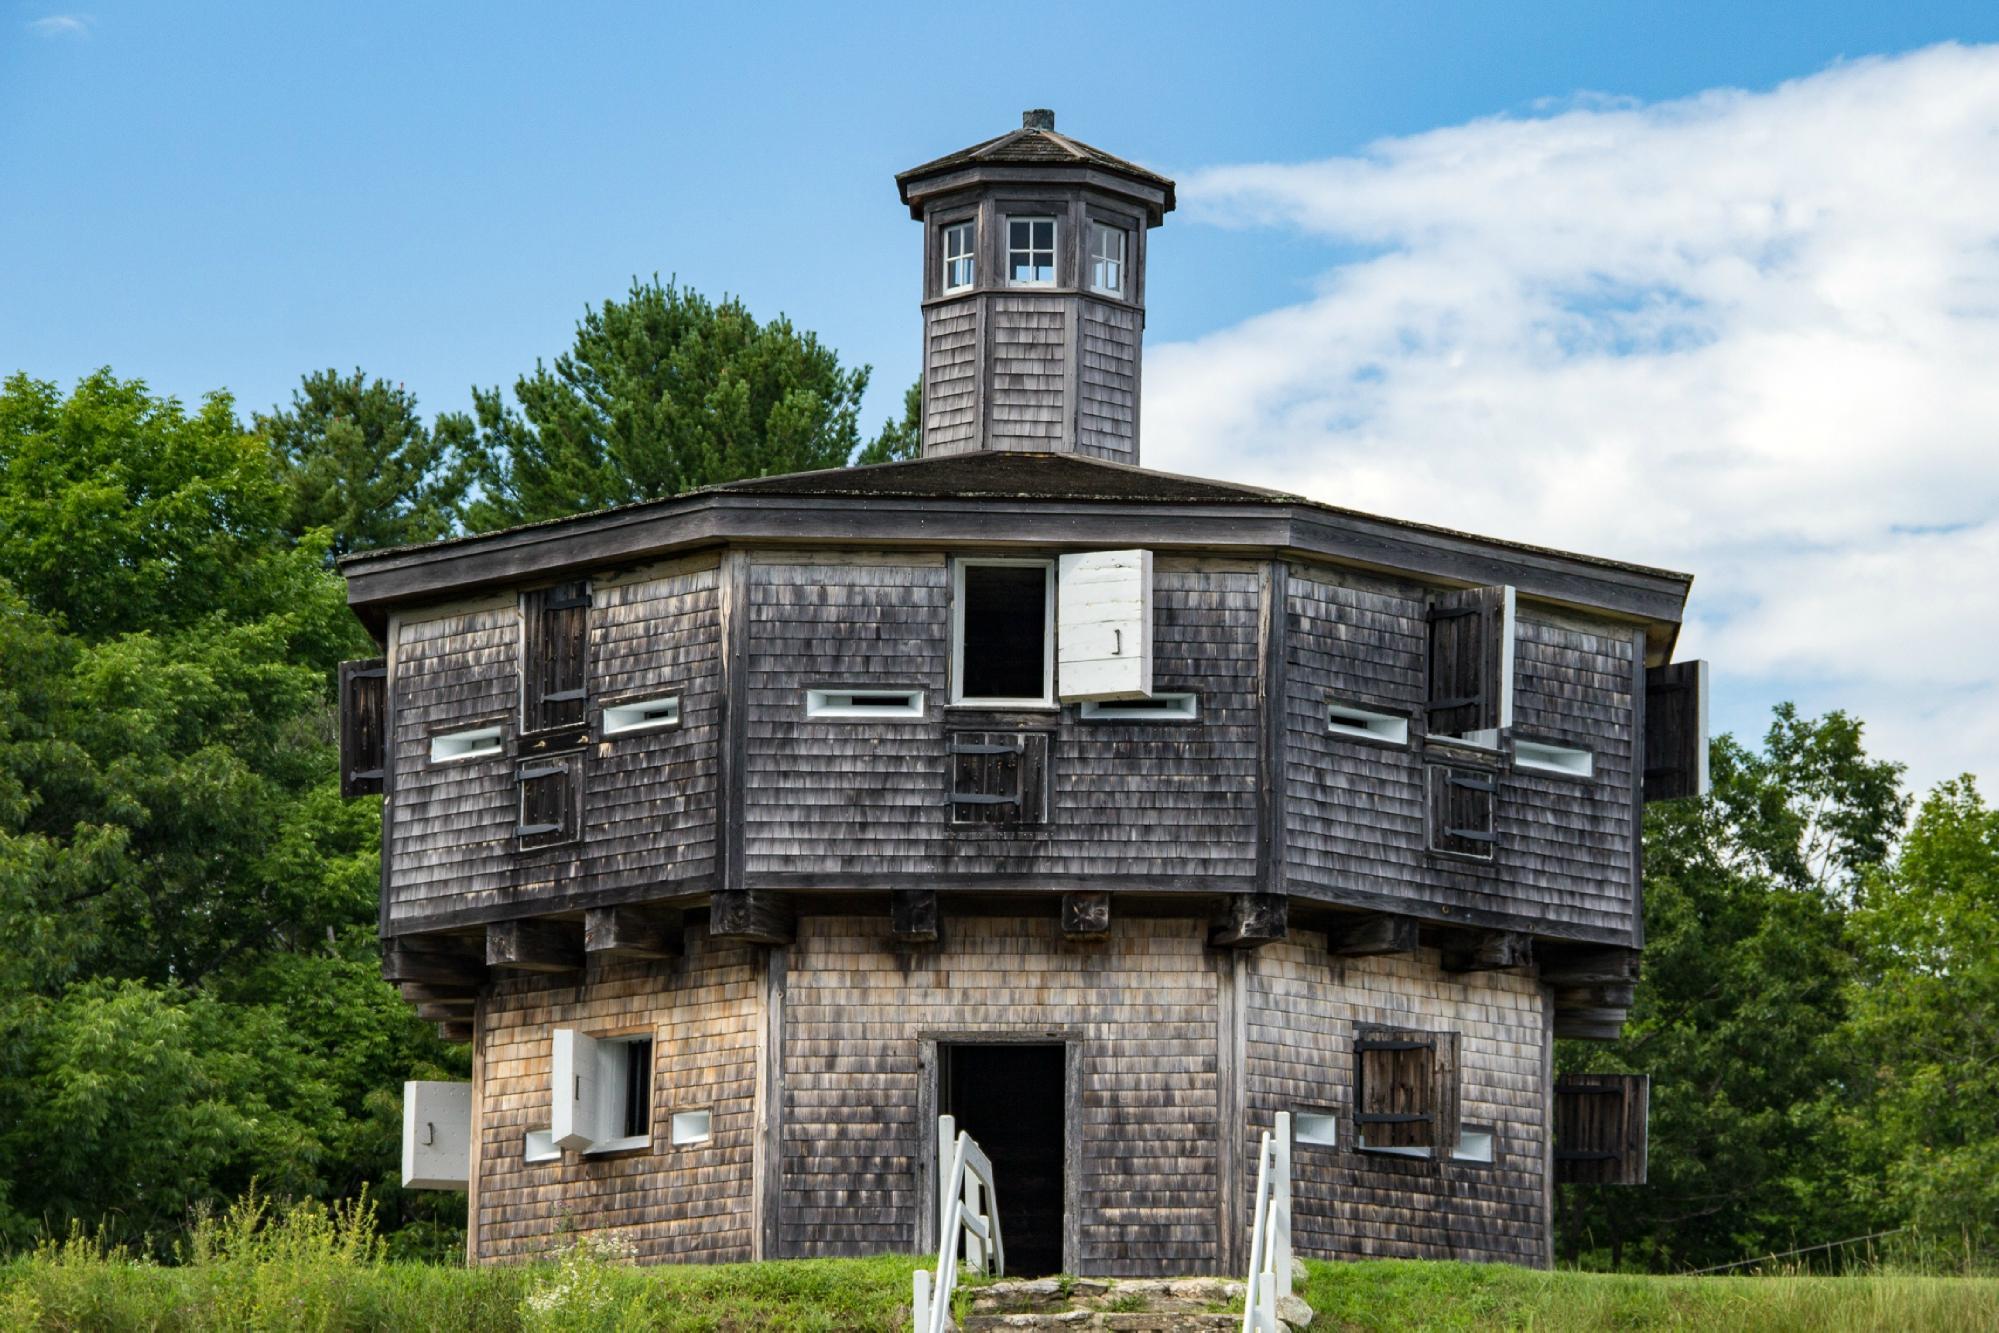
(1029, 360)
(1356, 812)
(1107, 410)
(1142, 1005)
(951, 377)
(688, 1203)
(1305, 1009)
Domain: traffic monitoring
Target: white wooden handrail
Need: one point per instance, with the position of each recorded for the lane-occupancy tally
(967, 1220)
(1270, 1231)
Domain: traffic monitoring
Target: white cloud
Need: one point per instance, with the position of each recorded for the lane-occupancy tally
(62, 25)
(1750, 335)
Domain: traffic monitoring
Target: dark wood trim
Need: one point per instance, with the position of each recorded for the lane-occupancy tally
(952, 882)
(1589, 967)
(1231, 1103)
(1637, 789)
(732, 761)
(753, 916)
(1273, 612)
(550, 901)
(1487, 951)
(379, 582)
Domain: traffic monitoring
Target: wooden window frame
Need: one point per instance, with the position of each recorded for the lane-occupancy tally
(1053, 250)
(969, 256)
(1439, 1117)
(536, 836)
(959, 699)
(1099, 261)
(358, 776)
(1464, 843)
(535, 608)
(1494, 643)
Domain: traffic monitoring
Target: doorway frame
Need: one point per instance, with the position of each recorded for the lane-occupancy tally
(929, 1095)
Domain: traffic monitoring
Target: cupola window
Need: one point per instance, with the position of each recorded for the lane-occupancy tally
(959, 271)
(1107, 259)
(1030, 252)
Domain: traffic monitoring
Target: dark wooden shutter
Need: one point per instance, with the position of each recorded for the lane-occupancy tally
(1406, 1089)
(551, 798)
(1676, 731)
(999, 779)
(554, 660)
(1464, 810)
(364, 726)
(1600, 1128)
(1470, 661)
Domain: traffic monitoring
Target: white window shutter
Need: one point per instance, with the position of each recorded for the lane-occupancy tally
(574, 1090)
(1103, 639)
(437, 1135)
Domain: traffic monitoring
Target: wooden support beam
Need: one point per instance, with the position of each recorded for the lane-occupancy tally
(437, 1012)
(534, 946)
(1086, 915)
(459, 1002)
(913, 916)
(753, 916)
(1487, 951)
(1609, 995)
(1590, 967)
(402, 962)
(1252, 919)
(644, 934)
(1590, 1024)
(458, 1030)
(1371, 935)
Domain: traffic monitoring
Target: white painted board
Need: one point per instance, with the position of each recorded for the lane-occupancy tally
(437, 1135)
(1103, 635)
(573, 1090)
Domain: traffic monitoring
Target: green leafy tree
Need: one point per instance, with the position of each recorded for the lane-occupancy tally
(899, 440)
(357, 460)
(1742, 997)
(1925, 1027)
(662, 392)
(190, 996)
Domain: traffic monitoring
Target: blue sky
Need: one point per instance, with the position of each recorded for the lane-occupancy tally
(214, 196)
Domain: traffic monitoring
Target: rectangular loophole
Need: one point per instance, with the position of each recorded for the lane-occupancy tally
(1542, 757)
(642, 715)
(478, 743)
(1367, 725)
(690, 1127)
(1315, 1129)
(854, 705)
(1159, 708)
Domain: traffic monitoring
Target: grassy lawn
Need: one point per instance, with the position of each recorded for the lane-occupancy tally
(80, 1288)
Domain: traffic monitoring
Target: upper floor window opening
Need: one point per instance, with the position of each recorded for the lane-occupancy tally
(1107, 245)
(960, 267)
(1030, 252)
(1002, 635)
(555, 624)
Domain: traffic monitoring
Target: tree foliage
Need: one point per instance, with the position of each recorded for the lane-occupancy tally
(662, 392)
(357, 461)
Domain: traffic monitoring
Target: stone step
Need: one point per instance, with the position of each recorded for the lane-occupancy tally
(1126, 1321)
(1133, 1305)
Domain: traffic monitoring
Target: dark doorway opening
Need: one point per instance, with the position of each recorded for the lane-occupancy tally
(1010, 1098)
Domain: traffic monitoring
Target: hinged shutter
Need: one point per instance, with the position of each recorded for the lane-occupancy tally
(1471, 663)
(551, 792)
(999, 778)
(1103, 639)
(1600, 1128)
(573, 1090)
(554, 648)
(1406, 1093)
(1676, 731)
(437, 1135)
(364, 713)
(1464, 811)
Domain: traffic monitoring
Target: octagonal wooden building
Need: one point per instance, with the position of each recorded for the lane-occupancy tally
(744, 832)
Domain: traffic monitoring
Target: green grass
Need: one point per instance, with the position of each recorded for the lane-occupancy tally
(305, 1267)
(1384, 1295)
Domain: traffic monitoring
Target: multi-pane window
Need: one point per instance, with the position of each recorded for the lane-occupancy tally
(1030, 252)
(1107, 259)
(959, 269)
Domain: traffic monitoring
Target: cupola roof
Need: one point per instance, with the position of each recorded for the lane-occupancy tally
(1034, 144)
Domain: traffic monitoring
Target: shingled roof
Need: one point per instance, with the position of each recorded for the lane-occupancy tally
(998, 475)
(1035, 144)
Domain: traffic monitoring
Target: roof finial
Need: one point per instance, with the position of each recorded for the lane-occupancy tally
(1041, 118)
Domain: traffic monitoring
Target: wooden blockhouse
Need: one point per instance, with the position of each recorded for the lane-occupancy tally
(1112, 811)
